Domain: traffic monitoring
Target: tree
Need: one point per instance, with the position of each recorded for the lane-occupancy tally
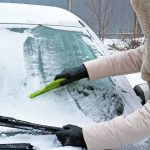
(136, 27)
(70, 5)
(103, 10)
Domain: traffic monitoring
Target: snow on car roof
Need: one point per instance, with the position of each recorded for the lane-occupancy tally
(35, 14)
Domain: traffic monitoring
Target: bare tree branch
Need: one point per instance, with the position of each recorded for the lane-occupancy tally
(103, 10)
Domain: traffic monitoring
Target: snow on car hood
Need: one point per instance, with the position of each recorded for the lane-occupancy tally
(34, 14)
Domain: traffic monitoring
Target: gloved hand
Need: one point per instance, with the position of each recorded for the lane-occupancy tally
(71, 135)
(72, 74)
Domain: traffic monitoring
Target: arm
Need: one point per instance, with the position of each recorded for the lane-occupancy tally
(119, 64)
(122, 63)
(119, 131)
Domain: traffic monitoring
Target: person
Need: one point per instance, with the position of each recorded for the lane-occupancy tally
(121, 130)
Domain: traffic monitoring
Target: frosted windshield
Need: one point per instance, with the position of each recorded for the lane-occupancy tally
(49, 51)
(30, 59)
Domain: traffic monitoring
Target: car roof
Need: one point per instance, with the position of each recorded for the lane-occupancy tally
(35, 14)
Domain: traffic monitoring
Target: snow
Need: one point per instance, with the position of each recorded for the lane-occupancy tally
(34, 14)
(56, 108)
(50, 109)
(42, 142)
(135, 79)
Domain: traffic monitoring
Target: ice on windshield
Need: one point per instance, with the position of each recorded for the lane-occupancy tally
(49, 51)
(30, 58)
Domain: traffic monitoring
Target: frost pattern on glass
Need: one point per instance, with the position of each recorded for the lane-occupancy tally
(49, 51)
(96, 100)
(27, 63)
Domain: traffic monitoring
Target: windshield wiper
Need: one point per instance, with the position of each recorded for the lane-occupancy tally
(10, 133)
(16, 146)
(24, 125)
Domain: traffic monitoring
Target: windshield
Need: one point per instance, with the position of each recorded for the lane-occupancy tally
(30, 59)
(50, 50)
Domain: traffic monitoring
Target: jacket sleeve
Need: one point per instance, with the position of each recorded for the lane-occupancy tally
(119, 131)
(118, 64)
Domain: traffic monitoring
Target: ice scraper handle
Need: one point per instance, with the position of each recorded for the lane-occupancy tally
(55, 84)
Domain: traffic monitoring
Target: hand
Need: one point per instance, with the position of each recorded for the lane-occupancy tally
(72, 74)
(71, 135)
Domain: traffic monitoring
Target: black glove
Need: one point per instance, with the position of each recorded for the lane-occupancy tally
(71, 135)
(72, 74)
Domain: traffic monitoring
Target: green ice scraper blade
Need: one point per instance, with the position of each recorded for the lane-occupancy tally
(53, 85)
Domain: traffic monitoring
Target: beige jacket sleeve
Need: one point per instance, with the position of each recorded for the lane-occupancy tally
(119, 131)
(118, 64)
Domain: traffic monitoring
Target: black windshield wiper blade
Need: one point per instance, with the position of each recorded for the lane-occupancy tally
(16, 146)
(22, 132)
(20, 124)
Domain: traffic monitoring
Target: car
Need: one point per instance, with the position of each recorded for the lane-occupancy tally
(38, 42)
(140, 86)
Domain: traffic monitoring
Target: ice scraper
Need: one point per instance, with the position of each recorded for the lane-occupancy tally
(53, 85)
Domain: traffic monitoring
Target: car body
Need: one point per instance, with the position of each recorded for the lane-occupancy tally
(38, 42)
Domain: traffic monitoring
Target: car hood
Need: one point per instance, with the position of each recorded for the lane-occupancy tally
(35, 14)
